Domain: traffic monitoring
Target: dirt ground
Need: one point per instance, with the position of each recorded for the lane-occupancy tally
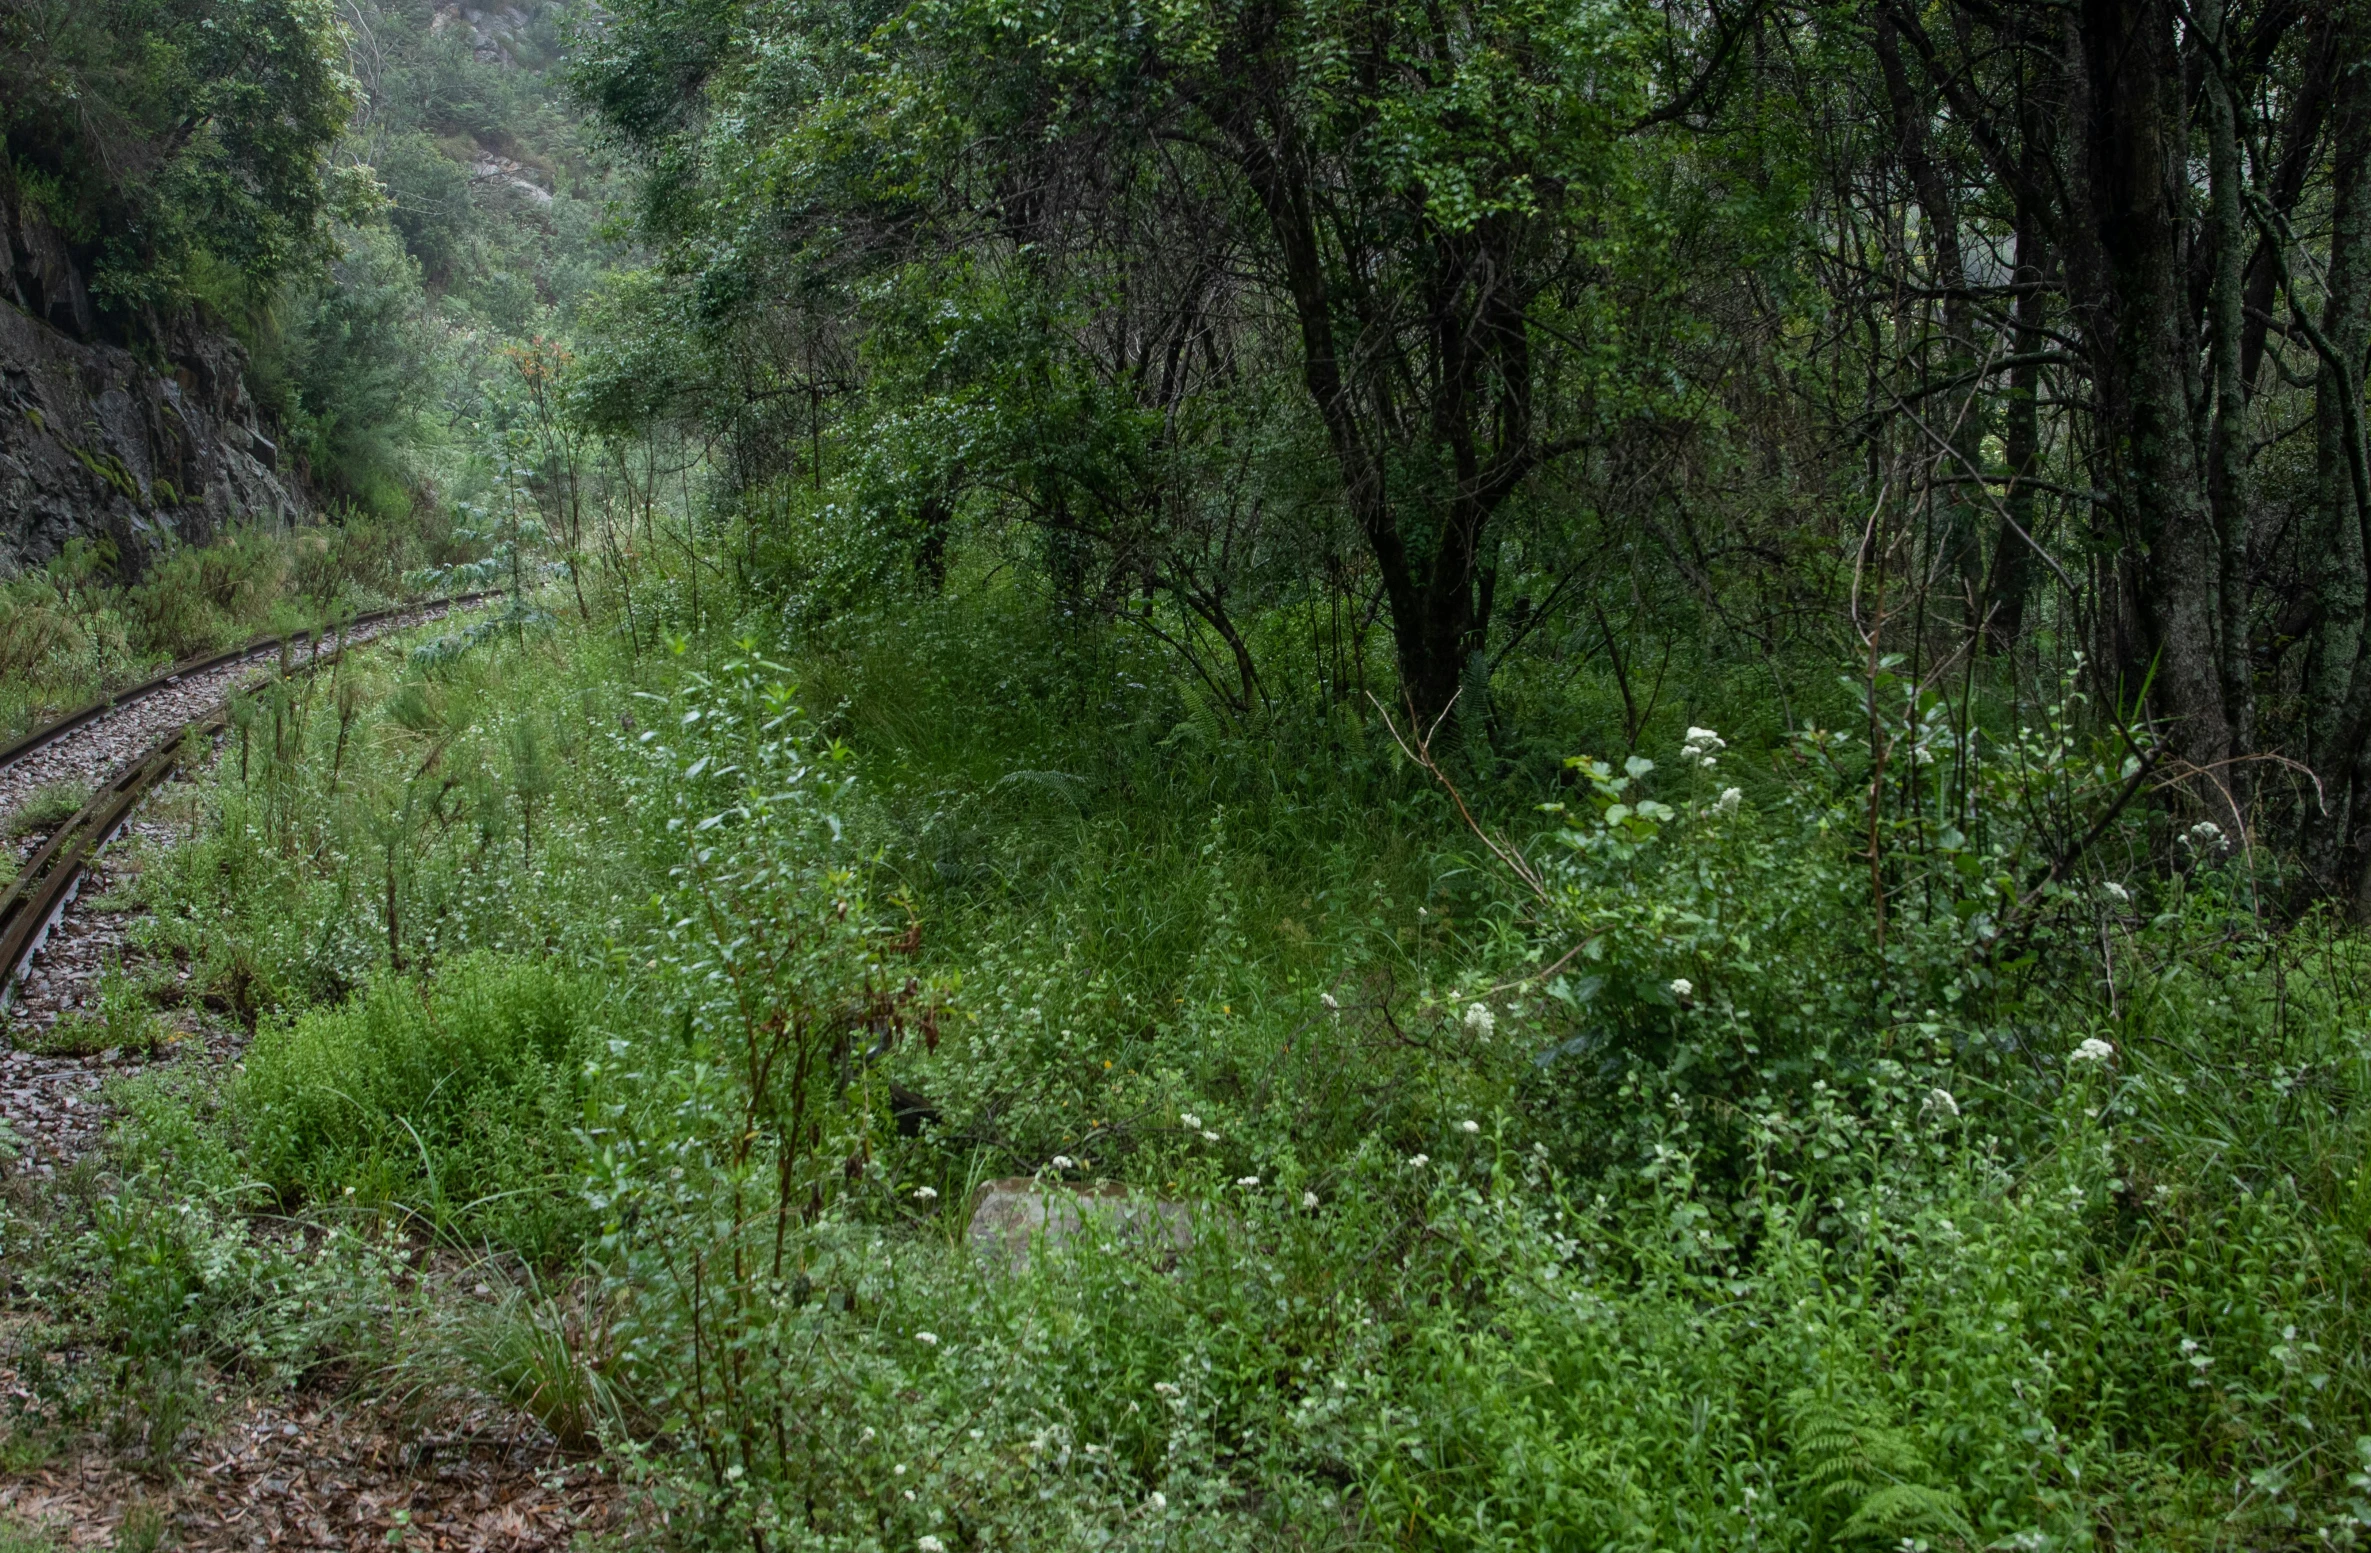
(320, 1475)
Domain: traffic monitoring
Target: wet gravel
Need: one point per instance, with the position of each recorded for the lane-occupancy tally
(98, 749)
(50, 1105)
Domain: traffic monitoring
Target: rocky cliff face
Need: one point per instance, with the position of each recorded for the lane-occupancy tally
(96, 443)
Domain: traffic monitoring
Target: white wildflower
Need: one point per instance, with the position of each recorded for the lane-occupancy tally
(1209, 1137)
(2205, 836)
(1308, 1199)
(1327, 999)
(1469, 1125)
(1479, 1021)
(929, 1544)
(1701, 745)
(1162, 1388)
(1939, 1099)
(926, 1194)
(1247, 1180)
(1190, 1119)
(1159, 1500)
(2116, 890)
(1063, 1162)
(927, 1339)
(1681, 987)
(1419, 1161)
(1730, 798)
(2093, 1049)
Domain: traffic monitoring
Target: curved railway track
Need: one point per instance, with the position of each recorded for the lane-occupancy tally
(123, 747)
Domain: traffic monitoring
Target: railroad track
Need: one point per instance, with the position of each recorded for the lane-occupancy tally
(159, 715)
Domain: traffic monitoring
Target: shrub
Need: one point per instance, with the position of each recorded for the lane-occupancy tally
(454, 1101)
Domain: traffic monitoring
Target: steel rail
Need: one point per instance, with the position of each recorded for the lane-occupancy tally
(38, 897)
(50, 733)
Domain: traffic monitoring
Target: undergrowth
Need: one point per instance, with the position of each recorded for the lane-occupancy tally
(88, 622)
(1644, 1172)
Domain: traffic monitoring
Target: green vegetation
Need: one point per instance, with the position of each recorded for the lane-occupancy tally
(167, 143)
(116, 1016)
(431, 211)
(1911, 1239)
(1362, 624)
(459, 1108)
(386, 367)
(49, 807)
(15, 1538)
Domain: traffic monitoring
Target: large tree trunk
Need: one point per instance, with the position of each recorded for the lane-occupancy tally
(2126, 269)
(2227, 439)
(2014, 563)
(2336, 662)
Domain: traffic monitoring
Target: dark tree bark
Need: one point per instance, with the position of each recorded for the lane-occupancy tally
(2336, 663)
(2014, 563)
(2015, 558)
(2228, 485)
(2126, 275)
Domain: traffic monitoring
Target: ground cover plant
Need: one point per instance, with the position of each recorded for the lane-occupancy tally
(1620, 1192)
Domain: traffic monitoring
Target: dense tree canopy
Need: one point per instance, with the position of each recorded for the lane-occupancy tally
(159, 136)
(2024, 330)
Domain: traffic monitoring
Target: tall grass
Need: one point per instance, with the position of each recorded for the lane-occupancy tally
(454, 1104)
(82, 625)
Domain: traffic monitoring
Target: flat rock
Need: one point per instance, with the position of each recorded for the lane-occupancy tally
(1011, 1217)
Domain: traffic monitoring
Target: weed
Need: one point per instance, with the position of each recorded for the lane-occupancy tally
(25, 1448)
(545, 1355)
(17, 1536)
(159, 1402)
(143, 1528)
(453, 1108)
(1634, 1196)
(115, 1016)
(48, 807)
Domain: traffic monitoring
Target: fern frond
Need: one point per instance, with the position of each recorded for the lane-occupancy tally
(1904, 1510)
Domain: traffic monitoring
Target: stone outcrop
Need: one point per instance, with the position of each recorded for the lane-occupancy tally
(497, 33)
(1018, 1215)
(510, 176)
(98, 443)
